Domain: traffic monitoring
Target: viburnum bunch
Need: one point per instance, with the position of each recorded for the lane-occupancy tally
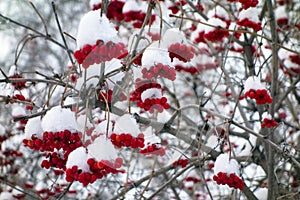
(217, 33)
(148, 95)
(98, 159)
(226, 172)
(249, 18)
(56, 135)
(102, 46)
(268, 121)
(135, 12)
(181, 162)
(157, 63)
(19, 85)
(254, 89)
(126, 133)
(174, 40)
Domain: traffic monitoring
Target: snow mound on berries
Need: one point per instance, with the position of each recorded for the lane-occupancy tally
(102, 149)
(2, 130)
(214, 22)
(223, 164)
(172, 36)
(127, 124)
(93, 27)
(154, 54)
(251, 14)
(151, 93)
(33, 127)
(59, 119)
(253, 82)
(78, 157)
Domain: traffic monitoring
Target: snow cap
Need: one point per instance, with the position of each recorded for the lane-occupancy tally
(253, 82)
(33, 127)
(78, 157)
(59, 119)
(223, 164)
(93, 27)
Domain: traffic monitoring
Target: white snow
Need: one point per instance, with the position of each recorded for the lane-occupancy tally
(213, 142)
(7, 196)
(289, 64)
(127, 124)
(215, 22)
(253, 82)
(83, 123)
(33, 127)
(280, 12)
(261, 193)
(154, 55)
(172, 36)
(59, 119)
(219, 11)
(102, 149)
(132, 5)
(92, 27)
(223, 164)
(18, 110)
(101, 128)
(111, 66)
(2, 130)
(78, 157)
(151, 93)
(266, 115)
(251, 13)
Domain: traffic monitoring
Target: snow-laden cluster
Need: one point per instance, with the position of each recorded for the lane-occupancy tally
(254, 89)
(227, 172)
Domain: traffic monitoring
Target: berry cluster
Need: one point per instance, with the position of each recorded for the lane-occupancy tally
(158, 104)
(182, 52)
(154, 150)
(20, 84)
(248, 3)
(97, 171)
(176, 7)
(75, 174)
(108, 96)
(99, 52)
(181, 162)
(54, 160)
(127, 140)
(137, 17)
(191, 70)
(216, 35)
(149, 104)
(250, 24)
(261, 96)
(192, 179)
(232, 180)
(52, 142)
(114, 10)
(268, 123)
(161, 70)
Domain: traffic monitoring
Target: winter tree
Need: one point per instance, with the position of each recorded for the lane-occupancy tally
(150, 99)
